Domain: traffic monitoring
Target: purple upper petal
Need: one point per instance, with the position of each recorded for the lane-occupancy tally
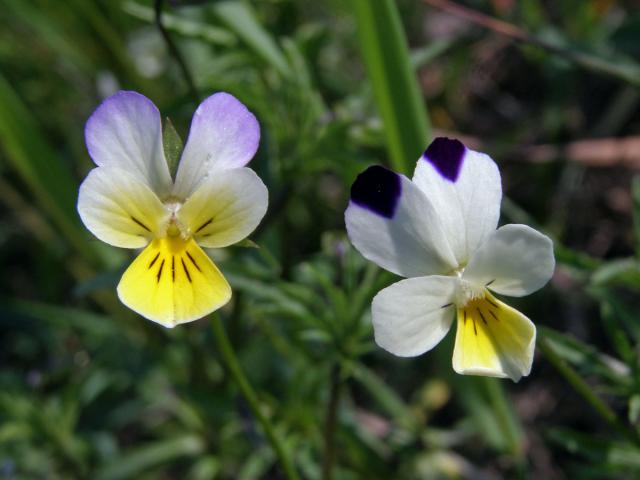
(446, 155)
(224, 134)
(125, 132)
(377, 189)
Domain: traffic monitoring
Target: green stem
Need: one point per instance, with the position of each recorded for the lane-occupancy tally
(330, 425)
(504, 415)
(583, 388)
(226, 351)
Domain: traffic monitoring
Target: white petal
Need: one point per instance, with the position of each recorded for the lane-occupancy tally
(125, 132)
(224, 134)
(119, 209)
(515, 260)
(464, 188)
(412, 316)
(494, 340)
(392, 223)
(226, 208)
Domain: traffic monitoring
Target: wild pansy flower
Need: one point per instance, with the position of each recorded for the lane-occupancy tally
(131, 201)
(439, 230)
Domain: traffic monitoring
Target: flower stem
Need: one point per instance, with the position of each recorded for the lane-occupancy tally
(504, 415)
(226, 351)
(583, 388)
(330, 425)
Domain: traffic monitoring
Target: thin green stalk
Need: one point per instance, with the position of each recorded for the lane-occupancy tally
(395, 87)
(583, 388)
(231, 361)
(330, 424)
(504, 415)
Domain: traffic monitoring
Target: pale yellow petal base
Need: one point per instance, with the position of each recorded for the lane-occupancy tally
(173, 281)
(493, 339)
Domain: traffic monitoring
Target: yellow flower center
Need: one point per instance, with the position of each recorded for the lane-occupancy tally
(175, 228)
(467, 292)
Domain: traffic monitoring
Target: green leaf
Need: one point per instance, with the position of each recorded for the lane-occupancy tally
(488, 405)
(182, 25)
(102, 281)
(385, 396)
(172, 144)
(246, 243)
(616, 332)
(634, 409)
(90, 324)
(205, 468)
(269, 293)
(241, 18)
(617, 455)
(586, 358)
(400, 103)
(624, 271)
(605, 62)
(143, 459)
(39, 166)
(425, 55)
(616, 309)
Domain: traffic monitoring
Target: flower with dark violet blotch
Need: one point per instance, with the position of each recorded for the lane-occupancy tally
(131, 201)
(439, 230)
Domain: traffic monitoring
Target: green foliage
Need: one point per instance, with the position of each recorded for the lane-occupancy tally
(172, 144)
(90, 390)
(385, 52)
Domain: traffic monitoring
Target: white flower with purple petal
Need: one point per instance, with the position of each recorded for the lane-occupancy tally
(439, 231)
(131, 201)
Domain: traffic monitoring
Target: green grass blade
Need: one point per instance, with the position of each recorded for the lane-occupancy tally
(182, 25)
(38, 165)
(386, 56)
(240, 18)
(146, 458)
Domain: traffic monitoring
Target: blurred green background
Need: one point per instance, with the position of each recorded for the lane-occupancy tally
(90, 390)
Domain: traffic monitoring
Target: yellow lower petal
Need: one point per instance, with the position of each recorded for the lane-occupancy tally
(173, 281)
(493, 339)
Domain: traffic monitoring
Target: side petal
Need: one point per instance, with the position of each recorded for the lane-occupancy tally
(465, 189)
(226, 208)
(393, 224)
(173, 281)
(493, 340)
(119, 209)
(412, 316)
(224, 134)
(515, 260)
(125, 132)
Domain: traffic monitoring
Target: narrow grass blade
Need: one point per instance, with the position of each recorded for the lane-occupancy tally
(144, 459)
(240, 18)
(386, 56)
(184, 26)
(38, 165)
